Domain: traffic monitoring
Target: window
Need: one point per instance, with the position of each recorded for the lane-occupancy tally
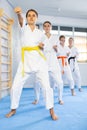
(54, 30)
(79, 35)
(80, 41)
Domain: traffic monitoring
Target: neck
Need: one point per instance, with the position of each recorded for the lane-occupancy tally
(32, 26)
(70, 46)
(62, 45)
(48, 35)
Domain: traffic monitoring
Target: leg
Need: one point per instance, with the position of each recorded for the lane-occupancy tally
(77, 78)
(56, 75)
(37, 93)
(43, 78)
(69, 77)
(16, 90)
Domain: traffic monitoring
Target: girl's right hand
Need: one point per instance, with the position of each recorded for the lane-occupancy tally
(17, 10)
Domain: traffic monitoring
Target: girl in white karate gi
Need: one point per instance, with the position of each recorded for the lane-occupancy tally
(33, 61)
(73, 63)
(63, 53)
(50, 49)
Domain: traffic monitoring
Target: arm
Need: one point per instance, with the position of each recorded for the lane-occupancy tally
(55, 48)
(20, 18)
(42, 41)
(68, 52)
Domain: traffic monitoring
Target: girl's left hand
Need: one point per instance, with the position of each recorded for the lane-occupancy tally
(41, 45)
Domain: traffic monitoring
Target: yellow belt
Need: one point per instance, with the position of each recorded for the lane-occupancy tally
(35, 48)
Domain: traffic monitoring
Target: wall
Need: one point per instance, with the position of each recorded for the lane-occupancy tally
(9, 11)
(56, 21)
(64, 21)
(83, 71)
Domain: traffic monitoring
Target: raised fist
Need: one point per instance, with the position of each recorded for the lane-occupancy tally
(17, 10)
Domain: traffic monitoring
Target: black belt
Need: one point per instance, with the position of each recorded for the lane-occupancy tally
(70, 58)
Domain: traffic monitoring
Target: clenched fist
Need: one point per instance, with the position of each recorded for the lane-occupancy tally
(41, 45)
(17, 10)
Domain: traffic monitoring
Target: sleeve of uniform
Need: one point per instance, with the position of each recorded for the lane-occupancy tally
(68, 50)
(58, 48)
(55, 40)
(43, 38)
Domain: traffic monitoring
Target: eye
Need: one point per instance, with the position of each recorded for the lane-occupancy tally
(29, 15)
(34, 15)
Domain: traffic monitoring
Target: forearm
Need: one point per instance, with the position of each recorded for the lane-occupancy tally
(55, 48)
(20, 19)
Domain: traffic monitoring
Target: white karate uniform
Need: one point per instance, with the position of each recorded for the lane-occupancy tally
(53, 67)
(33, 63)
(74, 66)
(67, 76)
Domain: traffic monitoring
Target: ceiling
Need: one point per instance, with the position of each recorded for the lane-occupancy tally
(62, 8)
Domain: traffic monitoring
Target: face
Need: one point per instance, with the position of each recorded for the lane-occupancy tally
(62, 41)
(71, 42)
(47, 27)
(31, 17)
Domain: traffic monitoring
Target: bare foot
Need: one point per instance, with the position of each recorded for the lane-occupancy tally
(53, 115)
(35, 102)
(11, 113)
(80, 90)
(61, 102)
(73, 92)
